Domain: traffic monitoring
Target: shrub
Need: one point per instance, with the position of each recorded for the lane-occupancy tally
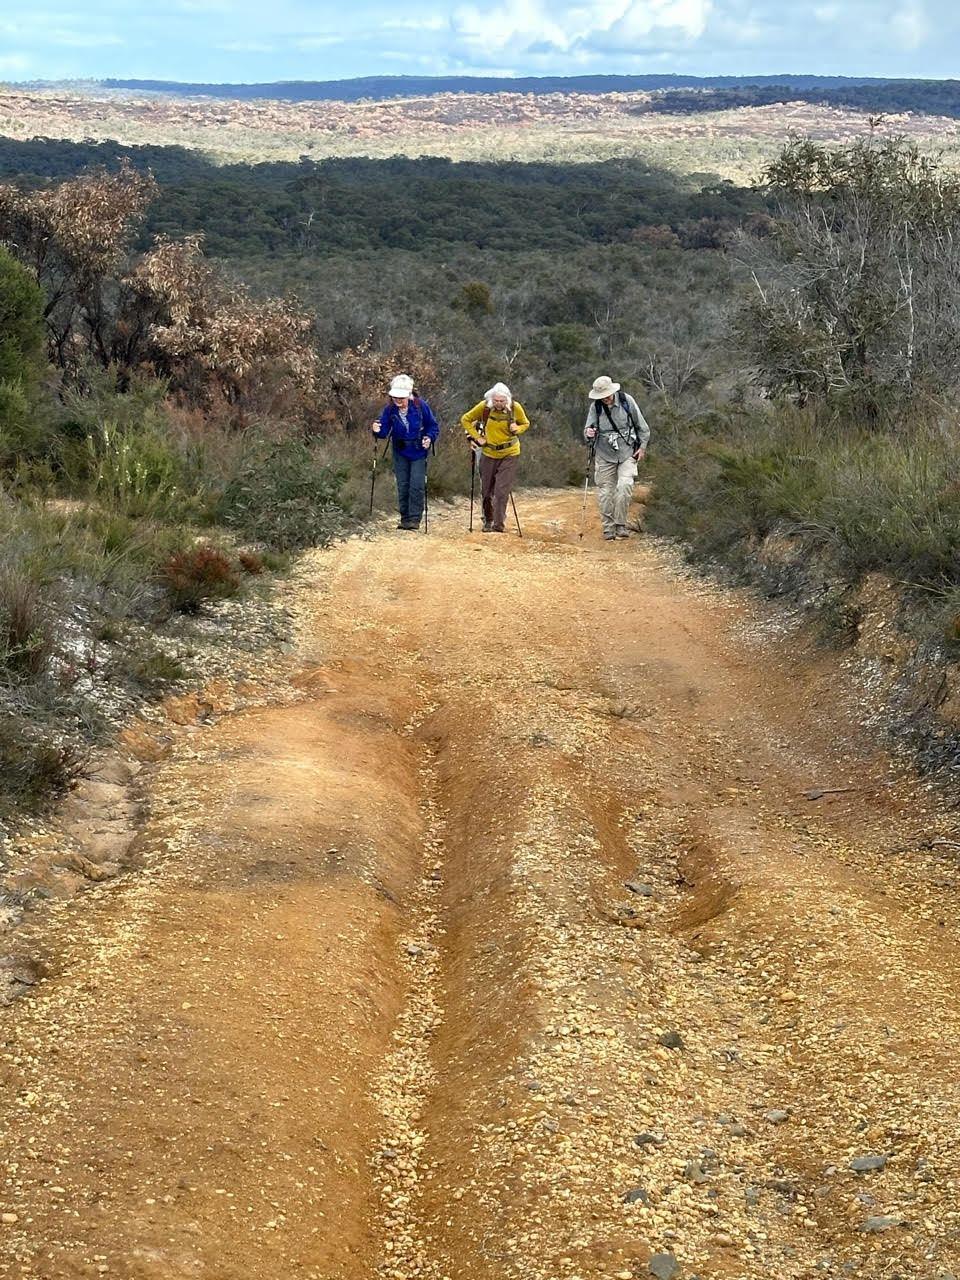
(251, 562)
(34, 768)
(26, 638)
(135, 471)
(193, 577)
(155, 671)
(22, 338)
(870, 502)
(285, 497)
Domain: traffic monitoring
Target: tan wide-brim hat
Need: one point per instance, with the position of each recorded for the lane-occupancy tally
(603, 387)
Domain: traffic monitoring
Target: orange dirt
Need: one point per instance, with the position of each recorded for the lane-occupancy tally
(381, 1002)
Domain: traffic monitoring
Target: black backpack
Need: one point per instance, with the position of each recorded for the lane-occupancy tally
(625, 406)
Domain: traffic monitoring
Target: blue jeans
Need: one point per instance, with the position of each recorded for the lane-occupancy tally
(411, 476)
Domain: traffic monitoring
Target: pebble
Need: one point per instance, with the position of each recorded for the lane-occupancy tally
(636, 1195)
(671, 1040)
(776, 1117)
(882, 1222)
(641, 890)
(651, 1139)
(663, 1266)
(868, 1164)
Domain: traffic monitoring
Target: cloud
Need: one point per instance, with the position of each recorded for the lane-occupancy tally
(247, 46)
(596, 28)
(910, 25)
(308, 43)
(15, 62)
(82, 39)
(238, 39)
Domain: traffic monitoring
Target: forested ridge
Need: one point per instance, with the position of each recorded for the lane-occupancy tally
(671, 93)
(385, 87)
(423, 204)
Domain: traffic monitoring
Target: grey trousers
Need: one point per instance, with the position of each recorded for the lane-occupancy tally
(614, 490)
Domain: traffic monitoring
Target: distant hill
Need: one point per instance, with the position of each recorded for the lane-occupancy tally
(378, 88)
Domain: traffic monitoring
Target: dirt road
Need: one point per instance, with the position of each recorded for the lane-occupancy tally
(517, 950)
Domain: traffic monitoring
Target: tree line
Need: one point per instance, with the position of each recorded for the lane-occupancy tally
(426, 204)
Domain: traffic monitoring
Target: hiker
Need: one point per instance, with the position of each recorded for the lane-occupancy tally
(494, 426)
(617, 434)
(409, 423)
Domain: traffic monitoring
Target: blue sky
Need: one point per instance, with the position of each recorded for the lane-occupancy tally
(249, 40)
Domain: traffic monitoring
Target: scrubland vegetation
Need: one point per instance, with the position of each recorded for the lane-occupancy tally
(190, 357)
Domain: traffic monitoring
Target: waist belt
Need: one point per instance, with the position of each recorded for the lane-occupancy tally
(497, 447)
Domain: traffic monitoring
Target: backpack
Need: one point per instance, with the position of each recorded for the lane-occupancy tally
(625, 406)
(487, 410)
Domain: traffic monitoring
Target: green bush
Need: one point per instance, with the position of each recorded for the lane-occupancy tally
(22, 334)
(136, 471)
(870, 502)
(285, 497)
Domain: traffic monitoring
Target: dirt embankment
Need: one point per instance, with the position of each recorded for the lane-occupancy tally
(566, 928)
(894, 641)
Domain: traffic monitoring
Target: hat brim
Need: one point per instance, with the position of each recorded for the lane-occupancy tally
(600, 395)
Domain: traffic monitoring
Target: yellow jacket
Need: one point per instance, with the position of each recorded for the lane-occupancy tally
(501, 442)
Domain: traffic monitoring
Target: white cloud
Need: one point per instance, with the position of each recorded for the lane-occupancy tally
(247, 46)
(520, 25)
(82, 39)
(14, 62)
(646, 16)
(910, 25)
(436, 23)
(307, 43)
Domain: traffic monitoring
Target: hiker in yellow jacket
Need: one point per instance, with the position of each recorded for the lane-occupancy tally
(495, 425)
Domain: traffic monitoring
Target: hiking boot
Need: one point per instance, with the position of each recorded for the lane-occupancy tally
(497, 528)
(608, 535)
(623, 531)
(408, 526)
(487, 527)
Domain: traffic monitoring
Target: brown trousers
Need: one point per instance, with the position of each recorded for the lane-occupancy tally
(496, 482)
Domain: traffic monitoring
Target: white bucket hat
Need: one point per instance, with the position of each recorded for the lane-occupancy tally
(401, 387)
(603, 386)
(498, 389)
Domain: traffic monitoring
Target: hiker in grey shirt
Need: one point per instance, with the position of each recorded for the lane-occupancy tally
(618, 433)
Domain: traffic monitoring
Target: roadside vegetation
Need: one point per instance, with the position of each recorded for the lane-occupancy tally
(173, 422)
(846, 452)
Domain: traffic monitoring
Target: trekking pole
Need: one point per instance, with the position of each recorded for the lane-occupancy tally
(515, 516)
(373, 469)
(586, 486)
(426, 508)
(473, 482)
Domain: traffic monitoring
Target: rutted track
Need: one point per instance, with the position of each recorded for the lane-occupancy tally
(515, 952)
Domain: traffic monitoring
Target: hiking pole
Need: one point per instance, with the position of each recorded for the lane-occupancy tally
(426, 508)
(515, 516)
(373, 476)
(473, 482)
(586, 486)
(373, 469)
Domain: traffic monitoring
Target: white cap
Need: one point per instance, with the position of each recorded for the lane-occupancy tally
(401, 387)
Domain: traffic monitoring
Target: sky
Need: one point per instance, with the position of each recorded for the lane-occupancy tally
(240, 41)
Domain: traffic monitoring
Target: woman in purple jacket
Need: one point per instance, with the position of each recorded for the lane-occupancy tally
(409, 423)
